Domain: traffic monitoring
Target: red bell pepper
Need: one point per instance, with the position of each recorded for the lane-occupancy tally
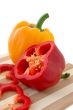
(41, 66)
(20, 98)
(10, 74)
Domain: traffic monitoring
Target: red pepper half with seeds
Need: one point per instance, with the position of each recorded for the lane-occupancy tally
(41, 66)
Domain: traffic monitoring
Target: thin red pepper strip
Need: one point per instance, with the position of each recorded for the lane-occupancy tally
(21, 98)
(12, 77)
(6, 67)
(10, 74)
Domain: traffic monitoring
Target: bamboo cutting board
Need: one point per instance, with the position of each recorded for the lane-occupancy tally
(58, 97)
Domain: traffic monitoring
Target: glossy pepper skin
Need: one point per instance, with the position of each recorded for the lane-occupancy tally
(20, 98)
(10, 75)
(6, 67)
(41, 66)
(25, 35)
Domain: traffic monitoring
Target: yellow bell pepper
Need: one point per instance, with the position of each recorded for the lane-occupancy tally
(25, 35)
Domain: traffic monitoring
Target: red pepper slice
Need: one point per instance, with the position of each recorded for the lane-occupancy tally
(41, 66)
(6, 67)
(12, 77)
(10, 74)
(21, 98)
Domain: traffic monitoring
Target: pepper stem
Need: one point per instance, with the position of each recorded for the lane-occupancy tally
(41, 21)
(65, 76)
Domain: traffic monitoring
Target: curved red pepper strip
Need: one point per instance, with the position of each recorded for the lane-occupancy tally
(21, 98)
(6, 67)
(10, 75)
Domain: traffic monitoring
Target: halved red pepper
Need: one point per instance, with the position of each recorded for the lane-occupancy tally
(20, 98)
(10, 74)
(41, 66)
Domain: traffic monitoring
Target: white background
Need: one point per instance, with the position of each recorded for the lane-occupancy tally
(60, 21)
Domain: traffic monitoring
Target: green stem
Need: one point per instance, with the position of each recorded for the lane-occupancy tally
(41, 21)
(65, 76)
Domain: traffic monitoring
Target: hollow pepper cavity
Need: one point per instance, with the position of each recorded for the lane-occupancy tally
(41, 66)
(20, 98)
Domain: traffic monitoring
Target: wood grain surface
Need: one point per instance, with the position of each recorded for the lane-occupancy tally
(57, 97)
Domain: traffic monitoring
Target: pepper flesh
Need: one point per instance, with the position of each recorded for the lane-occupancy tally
(21, 98)
(53, 64)
(6, 67)
(10, 74)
